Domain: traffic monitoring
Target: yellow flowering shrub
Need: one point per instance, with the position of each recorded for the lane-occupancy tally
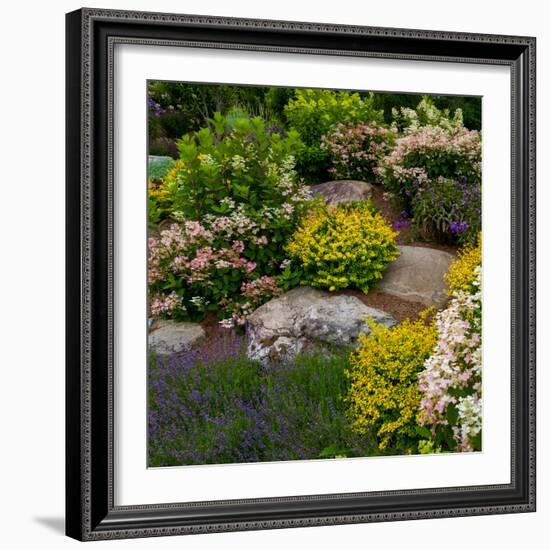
(161, 194)
(461, 272)
(384, 397)
(340, 246)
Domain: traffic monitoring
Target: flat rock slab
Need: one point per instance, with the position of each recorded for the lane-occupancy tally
(167, 337)
(160, 158)
(341, 191)
(307, 318)
(418, 275)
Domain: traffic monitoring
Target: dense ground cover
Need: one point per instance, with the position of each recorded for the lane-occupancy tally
(214, 405)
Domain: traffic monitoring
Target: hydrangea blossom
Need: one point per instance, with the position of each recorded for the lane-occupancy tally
(452, 375)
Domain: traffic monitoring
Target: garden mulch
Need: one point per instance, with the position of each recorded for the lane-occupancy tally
(399, 308)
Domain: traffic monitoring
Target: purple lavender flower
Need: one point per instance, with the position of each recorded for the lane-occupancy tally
(458, 227)
(212, 405)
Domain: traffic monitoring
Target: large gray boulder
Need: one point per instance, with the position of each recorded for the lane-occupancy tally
(341, 191)
(306, 318)
(418, 275)
(167, 337)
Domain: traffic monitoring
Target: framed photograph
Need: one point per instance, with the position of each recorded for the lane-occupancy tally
(300, 274)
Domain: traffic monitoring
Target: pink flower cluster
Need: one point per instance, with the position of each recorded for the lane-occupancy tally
(161, 304)
(255, 293)
(430, 143)
(261, 286)
(356, 149)
(185, 250)
(452, 374)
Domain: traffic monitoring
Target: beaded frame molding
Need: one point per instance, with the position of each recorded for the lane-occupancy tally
(90, 39)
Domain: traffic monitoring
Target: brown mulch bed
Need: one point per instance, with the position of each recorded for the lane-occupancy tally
(399, 308)
(211, 326)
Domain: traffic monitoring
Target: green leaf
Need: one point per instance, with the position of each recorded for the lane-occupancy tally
(423, 432)
(476, 442)
(452, 414)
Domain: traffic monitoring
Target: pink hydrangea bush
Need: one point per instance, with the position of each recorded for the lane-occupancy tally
(451, 404)
(357, 149)
(190, 272)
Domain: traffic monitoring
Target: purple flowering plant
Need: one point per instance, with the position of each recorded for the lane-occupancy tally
(448, 210)
(212, 405)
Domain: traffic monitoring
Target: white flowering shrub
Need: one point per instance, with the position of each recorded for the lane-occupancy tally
(450, 384)
(434, 173)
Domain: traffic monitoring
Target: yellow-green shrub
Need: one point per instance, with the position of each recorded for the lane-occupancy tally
(461, 272)
(344, 245)
(384, 397)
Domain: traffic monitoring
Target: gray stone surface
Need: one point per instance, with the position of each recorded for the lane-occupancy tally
(340, 191)
(159, 158)
(418, 275)
(306, 318)
(166, 337)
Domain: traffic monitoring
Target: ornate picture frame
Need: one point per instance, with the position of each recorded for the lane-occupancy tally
(91, 509)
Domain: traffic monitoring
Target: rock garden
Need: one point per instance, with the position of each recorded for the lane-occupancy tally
(314, 274)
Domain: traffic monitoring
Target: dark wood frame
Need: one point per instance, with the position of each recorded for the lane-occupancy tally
(90, 510)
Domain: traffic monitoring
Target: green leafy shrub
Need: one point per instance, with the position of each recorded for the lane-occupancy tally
(384, 397)
(340, 246)
(448, 210)
(314, 113)
(235, 199)
(356, 150)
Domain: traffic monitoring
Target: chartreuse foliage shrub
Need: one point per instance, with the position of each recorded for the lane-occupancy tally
(434, 173)
(235, 199)
(314, 113)
(340, 246)
(158, 199)
(384, 397)
(462, 272)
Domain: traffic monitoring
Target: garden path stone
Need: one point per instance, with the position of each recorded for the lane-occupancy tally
(418, 275)
(341, 191)
(159, 158)
(167, 337)
(306, 318)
